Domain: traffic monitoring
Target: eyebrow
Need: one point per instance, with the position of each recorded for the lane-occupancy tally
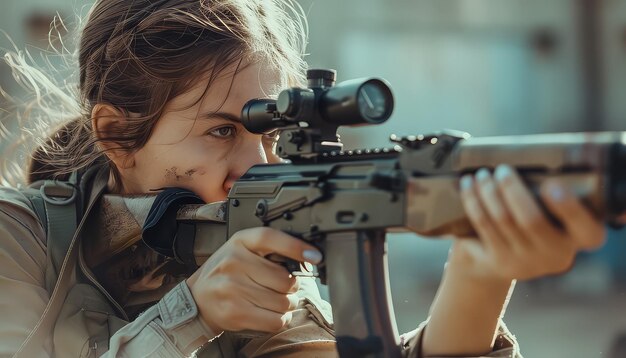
(223, 115)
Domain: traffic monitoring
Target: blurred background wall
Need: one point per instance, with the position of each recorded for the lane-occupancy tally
(487, 67)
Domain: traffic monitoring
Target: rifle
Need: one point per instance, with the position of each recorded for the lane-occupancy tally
(344, 202)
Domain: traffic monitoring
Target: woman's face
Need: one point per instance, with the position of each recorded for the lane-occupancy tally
(204, 147)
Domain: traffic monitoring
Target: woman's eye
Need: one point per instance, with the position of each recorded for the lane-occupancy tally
(223, 132)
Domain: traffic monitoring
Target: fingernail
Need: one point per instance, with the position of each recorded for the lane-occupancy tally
(312, 256)
(482, 174)
(503, 172)
(556, 192)
(466, 182)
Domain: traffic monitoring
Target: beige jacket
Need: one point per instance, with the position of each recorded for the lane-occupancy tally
(92, 324)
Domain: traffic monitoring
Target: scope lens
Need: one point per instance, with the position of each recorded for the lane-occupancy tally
(373, 101)
(357, 102)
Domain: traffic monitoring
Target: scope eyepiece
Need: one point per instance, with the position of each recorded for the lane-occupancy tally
(260, 116)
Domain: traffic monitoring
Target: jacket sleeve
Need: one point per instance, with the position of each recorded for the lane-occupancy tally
(23, 296)
(505, 345)
(172, 329)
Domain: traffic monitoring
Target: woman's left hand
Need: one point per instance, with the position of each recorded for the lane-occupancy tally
(517, 240)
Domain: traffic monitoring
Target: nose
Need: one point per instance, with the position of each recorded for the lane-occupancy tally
(249, 153)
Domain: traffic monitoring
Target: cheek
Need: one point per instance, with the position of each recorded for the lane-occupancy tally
(198, 167)
(208, 183)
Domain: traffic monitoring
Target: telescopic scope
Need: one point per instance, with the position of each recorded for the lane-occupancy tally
(323, 104)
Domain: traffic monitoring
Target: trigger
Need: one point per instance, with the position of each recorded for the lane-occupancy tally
(295, 268)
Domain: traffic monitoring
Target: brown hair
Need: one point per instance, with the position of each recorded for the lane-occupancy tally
(138, 55)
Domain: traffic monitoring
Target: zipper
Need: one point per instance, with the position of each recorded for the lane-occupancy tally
(87, 272)
(81, 260)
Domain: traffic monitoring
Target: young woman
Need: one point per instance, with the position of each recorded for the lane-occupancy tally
(162, 84)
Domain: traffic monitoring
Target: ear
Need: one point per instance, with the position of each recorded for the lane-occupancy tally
(106, 121)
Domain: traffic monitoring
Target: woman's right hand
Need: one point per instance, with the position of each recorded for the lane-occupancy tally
(238, 288)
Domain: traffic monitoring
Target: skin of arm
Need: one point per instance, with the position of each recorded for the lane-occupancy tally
(465, 304)
(516, 241)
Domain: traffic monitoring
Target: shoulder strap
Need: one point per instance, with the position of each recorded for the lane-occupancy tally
(32, 345)
(56, 205)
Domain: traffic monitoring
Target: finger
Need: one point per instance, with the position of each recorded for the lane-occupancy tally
(578, 221)
(496, 209)
(271, 300)
(525, 211)
(268, 274)
(479, 218)
(264, 241)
